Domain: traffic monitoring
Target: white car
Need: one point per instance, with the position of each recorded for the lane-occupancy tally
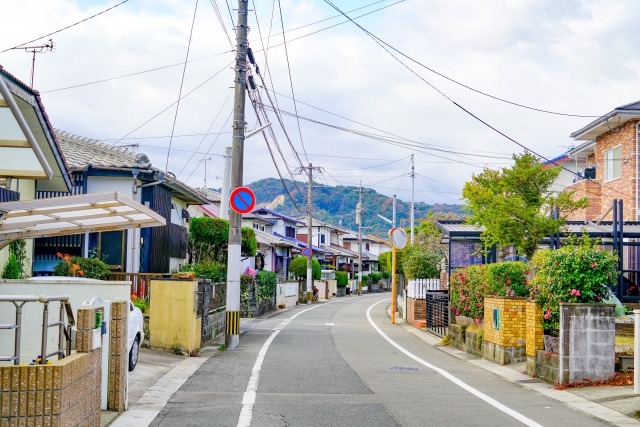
(136, 334)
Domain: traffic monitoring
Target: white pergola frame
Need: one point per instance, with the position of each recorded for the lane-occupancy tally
(86, 213)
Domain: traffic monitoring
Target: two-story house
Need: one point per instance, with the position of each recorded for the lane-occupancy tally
(330, 238)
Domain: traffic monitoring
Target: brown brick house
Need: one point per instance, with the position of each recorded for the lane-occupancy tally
(608, 154)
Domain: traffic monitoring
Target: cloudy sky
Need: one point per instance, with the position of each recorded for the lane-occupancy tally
(573, 57)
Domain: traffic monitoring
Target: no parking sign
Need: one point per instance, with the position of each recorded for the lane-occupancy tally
(242, 200)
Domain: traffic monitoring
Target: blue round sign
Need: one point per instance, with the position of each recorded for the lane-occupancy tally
(242, 200)
(307, 252)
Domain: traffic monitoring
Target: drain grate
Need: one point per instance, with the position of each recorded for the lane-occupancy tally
(404, 368)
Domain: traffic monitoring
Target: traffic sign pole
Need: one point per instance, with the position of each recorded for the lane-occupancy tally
(398, 239)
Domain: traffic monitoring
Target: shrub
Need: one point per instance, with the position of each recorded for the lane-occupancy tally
(216, 271)
(342, 278)
(512, 274)
(266, 285)
(419, 263)
(298, 267)
(375, 277)
(209, 236)
(249, 243)
(16, 265)
(386, 275)
(576, 273)
(385, 260)
(91, 268)
(11, 269)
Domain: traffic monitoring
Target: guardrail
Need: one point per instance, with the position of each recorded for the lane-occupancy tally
(63, 333)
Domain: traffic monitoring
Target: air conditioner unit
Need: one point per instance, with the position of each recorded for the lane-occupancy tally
(590, 173)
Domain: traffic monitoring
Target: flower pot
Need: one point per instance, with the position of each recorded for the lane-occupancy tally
(551, 344)
(626, 362)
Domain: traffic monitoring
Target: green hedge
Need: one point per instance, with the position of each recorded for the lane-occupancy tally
(211, 235)
(298, 267)
(419, 263)
(342, 278)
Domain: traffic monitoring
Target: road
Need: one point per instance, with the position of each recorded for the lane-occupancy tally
(329, 366)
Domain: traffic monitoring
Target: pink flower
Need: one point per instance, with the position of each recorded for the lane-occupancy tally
(577, 293)
(594, 265)
(457, 312)
(508, 282)
(477, 294)
(477, 320)
(547, 315)
(466, 308)
(526, 272)
(479, 304)
(462, 298)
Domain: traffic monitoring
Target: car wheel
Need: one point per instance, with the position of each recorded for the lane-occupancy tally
(133, 354)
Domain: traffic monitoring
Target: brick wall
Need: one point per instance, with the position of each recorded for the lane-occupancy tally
(592, 190)
(65, 393)
(535, 333)
(416, 310)
(119, 357)
(513, 322)
(621, 188)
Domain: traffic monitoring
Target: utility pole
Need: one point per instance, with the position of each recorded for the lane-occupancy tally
(359, 222)
(232, 329)
(413, 179)
(205, 170)
(310, 169)
(226, 181)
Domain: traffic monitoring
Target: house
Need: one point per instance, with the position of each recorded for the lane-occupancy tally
(369, 259)
(378, 246)
(211, 209)
(568, 171)
(31, 159)
(608, 154)
(97, 167)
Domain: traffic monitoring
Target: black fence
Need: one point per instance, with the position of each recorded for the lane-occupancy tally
(437, 305)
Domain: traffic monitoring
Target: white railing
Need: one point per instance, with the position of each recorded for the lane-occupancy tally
(417, 289)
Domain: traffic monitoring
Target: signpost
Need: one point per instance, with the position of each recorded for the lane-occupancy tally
(307, 252)
(242, 200)
(398, 239)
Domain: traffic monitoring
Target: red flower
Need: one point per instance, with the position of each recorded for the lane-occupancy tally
(594, 265)
(508, 282)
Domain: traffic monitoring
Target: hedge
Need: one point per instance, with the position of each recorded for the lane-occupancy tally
(342, 278)
(298, 267)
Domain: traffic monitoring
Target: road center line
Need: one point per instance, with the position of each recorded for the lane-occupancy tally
(518, 416)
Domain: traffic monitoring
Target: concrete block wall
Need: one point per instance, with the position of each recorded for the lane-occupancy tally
(119, 357)
(587, 342)
(65, 393)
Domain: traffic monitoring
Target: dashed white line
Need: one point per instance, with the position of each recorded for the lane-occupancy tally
(518, 416)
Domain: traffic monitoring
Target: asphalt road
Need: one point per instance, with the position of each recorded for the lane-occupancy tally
(329, 366)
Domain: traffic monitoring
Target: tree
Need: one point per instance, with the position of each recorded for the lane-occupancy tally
(514, 205)
(298, 267)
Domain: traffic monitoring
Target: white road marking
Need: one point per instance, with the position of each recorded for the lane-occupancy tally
(250, 394)
(328, 324)
(249, 398)
(518, 416)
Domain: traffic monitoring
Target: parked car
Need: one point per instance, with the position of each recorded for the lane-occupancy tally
(136, 334)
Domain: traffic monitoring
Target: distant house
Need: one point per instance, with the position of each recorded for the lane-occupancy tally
(211, 209)
(330, 238)
(369, 259)
(379, 246)
(99, 167)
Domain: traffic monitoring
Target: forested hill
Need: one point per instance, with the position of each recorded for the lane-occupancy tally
(335, 204)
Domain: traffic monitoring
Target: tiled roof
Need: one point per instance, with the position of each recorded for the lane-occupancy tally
(274, 213)
(210, 194)
(273, 239)
(299, 243)
(81, 152)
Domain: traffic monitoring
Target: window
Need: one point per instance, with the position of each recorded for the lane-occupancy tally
(255, 225)
(366, 246)
(613, 163)
(322, 238)
(290, 232)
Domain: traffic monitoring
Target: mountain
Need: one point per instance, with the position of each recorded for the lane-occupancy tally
(333, 204)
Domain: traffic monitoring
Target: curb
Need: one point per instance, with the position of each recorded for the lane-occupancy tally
(523, 380)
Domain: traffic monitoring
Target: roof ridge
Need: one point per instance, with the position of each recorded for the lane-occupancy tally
(77, 139)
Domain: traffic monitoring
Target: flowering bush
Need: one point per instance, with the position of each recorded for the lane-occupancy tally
(67, 267)
(576, 273)
(470, 285)
(91, 268)
(141, 303)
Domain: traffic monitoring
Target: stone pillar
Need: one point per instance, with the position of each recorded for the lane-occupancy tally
(534, 334)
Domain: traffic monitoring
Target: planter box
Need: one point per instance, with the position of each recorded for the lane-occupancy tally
(626, 363)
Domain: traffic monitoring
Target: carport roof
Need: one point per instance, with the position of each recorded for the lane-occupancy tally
(85, 213)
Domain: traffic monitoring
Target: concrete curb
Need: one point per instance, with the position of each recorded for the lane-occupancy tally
(594, 409)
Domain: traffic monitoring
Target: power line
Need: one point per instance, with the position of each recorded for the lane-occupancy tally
(158, 137)
(67, 27)
(293, 95)
(184, 71)
(211, 146)
(188, 93)
(379, 41)
(214, 4)
(205, 135)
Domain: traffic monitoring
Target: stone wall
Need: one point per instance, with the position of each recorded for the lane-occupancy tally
(416, 310)
(65, 393)
(466, 340)
(215, 326)
(506, 343)
(587, 342)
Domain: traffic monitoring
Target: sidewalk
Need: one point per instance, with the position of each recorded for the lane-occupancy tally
(616, 405)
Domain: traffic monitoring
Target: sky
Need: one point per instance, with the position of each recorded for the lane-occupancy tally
(573, 57)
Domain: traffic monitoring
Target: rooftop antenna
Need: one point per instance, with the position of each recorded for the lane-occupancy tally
(205, 170)
(47, 47)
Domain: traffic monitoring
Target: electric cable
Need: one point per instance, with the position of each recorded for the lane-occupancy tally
(205, 135)
(184, 71)
(214, 4)
(293, 95)
(187, 94)
(369, 167)
(67, 27)
(211, 146)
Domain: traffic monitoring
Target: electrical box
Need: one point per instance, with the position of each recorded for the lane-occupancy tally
(496, 318)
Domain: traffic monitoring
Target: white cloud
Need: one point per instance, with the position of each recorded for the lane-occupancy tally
(575, 57)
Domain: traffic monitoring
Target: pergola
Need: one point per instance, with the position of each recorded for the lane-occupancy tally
(87, 213)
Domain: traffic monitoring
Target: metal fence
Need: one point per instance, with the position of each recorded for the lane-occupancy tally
(437, 305)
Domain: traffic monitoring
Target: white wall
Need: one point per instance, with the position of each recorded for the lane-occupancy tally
(287, 294)
(78, 290)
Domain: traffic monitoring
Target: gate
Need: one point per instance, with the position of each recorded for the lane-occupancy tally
(437, 312)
